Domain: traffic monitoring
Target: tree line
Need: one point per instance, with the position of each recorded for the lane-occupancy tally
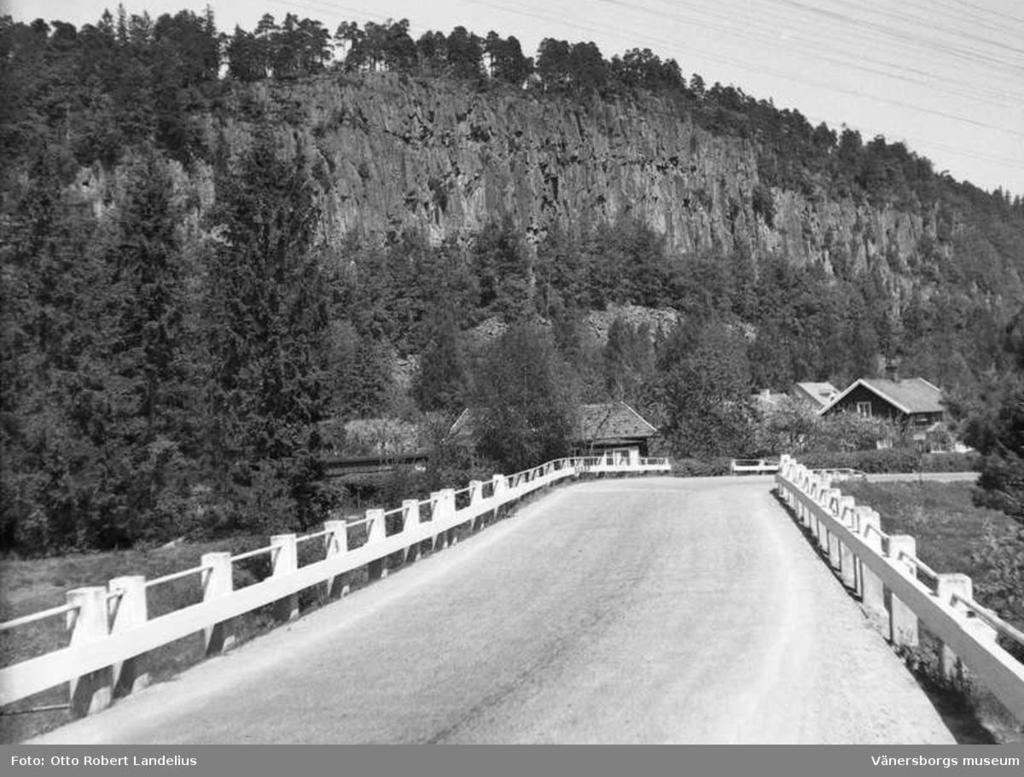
(166, 373)
(129, 77)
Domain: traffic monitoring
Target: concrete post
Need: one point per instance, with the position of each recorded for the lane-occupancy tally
(448, 498)
(336, 542)
(902, 620)
(946, 586)
(847, 564)
(91, 692)
(376, 534)
(476, 495)
(410, 522)
(438, 513)
(871, 590)
(824, 535)
(284, 559)
(131, 611)
(785, 464)
(499, 485)
(812, 520)
(218, 582)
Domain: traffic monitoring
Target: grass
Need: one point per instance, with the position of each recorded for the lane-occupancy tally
(32, 585)
(953, 535)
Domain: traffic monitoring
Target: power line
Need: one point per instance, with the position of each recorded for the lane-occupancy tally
(1000, 14)
(900, 37)
(773, 72)
(885, 68)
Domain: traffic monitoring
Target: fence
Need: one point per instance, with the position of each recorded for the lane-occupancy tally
(111, 631)
(886, 573)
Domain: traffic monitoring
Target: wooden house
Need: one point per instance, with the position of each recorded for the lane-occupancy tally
(606, 428)
(612, 428)
(815, 394)
(914, 405)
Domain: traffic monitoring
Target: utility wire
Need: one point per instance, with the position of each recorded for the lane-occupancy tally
(830, 87)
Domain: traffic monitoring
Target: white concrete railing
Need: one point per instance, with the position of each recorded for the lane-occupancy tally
(111, 630)
(753, 466)
(885, 570)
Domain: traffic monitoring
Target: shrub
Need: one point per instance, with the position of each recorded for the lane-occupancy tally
(950, 462)
(873, 461)
(699, 468)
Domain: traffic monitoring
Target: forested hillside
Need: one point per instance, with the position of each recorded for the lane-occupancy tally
(218, 247)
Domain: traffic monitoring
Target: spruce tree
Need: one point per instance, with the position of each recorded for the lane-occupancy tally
(268, 333)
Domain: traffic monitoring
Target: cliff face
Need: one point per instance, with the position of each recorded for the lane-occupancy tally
(445, 160)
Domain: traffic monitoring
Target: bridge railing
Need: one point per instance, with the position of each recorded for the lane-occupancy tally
(899, 591)
(753, 466)
(111, 631)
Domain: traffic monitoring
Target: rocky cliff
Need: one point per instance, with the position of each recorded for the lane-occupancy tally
(397, 153)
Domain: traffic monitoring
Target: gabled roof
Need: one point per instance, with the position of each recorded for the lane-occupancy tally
(612, 420)
(820, 392)
(601, 421)
(910, 395)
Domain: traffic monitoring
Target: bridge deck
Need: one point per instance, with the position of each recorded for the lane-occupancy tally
(616, 611)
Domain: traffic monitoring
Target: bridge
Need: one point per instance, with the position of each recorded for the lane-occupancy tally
(611, 610)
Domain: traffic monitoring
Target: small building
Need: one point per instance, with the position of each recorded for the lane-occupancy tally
(913, 404)
(603, 429)
(613, 428)
(815, 394)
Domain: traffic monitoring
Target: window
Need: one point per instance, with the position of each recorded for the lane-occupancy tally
(864, 409)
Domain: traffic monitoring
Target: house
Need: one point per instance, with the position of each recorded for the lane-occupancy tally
(604, 428)
(913, 404)
(817, 395)
(612, 428)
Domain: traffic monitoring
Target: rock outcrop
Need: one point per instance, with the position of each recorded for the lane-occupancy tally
(442, 158)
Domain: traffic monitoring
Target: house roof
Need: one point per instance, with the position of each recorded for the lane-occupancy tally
(820, 392)
(600, 421)
(910, 395)
(612, 420)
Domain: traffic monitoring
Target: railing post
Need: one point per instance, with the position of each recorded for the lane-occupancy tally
(376, 535)
(411, 522)
(285, 561)
(91, 692)
(131, 611)
(820, 529)
(448, 499)
(946, 587)
(336, 542)
(499, 485)
(872, 592)
(847, 564)
(218, 582)
(476, 492)
(902, 619)
(835, 509)
(438, 513)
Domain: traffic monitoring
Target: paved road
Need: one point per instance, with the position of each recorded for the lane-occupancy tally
(653, 610)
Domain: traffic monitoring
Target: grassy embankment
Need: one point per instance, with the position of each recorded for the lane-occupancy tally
(31, 585)
(955, 536)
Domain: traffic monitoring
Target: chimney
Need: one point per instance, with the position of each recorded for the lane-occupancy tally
(892, 369)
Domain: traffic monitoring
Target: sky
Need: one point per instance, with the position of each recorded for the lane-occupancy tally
(945, 77)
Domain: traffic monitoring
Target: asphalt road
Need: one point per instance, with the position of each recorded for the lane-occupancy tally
(653, 610)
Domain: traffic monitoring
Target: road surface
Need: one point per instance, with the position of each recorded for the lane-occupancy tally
(650, 610)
